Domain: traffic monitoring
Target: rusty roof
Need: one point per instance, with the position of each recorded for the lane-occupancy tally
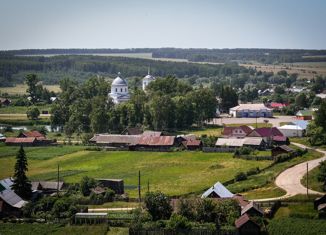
(13, 140)
(152, 133)
(35, 134)
(156, 140)
(116, 139)
(242, 220)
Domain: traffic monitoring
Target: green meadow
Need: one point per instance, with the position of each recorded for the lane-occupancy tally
(174, 173)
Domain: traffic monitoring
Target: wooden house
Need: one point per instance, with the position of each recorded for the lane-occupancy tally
(252, 209)
(117, 185)
(281, 150)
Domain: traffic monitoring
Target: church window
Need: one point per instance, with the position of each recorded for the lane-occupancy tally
(125, 89)
(116, 89)
(121, 89)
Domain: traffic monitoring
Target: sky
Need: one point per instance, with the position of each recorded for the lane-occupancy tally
(294, 24)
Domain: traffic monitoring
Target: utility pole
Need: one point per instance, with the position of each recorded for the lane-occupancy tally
(139, 193)
(307, 181)
(58, 183)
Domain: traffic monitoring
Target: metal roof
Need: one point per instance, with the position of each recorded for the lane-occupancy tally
(232, 142)
(290, 127)
(255, 107)
(116, 139)
(220, 190)
(10, 197)
(7, 183)
(20, 140)
(253, 205)
(118, 81)
(156, 140)
(152, 133)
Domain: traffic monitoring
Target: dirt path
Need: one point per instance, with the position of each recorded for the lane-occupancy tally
(290, 179)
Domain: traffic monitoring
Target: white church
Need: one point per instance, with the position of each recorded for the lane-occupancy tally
(119, 88)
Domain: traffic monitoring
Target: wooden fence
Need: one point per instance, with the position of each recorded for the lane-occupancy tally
(217, 150)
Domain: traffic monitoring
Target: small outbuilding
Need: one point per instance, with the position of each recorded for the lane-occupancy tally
(281, 150)
(91, 218)
(246, 226)
(252, 209)
(117, 185)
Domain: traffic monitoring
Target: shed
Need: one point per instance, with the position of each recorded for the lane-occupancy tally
(117, 185)
(218, 190)
(156, 142)
(252, 209)
(304, 115)
(281, 149)
(10, 202)
(47, 187)
(26, 141)
(246, 226)
(192, 144)
(35, 134)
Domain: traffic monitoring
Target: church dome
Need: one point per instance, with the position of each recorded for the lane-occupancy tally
(118, 81)
(149, 77)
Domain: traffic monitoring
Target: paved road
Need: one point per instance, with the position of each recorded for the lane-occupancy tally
(274, 121)
(290, 179)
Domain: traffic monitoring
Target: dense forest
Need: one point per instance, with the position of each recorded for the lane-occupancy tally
(198, 55)
(51, 70)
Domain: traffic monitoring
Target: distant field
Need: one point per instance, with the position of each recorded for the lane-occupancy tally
(174, 173)
(20, 89)
(21, 109)
(305, 70)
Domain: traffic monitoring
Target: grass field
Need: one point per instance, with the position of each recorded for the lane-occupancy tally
(55, 229)
(268, 191)
(305, 70)
(22, 109)
(20, 89)
(173, 173)
(313, 182)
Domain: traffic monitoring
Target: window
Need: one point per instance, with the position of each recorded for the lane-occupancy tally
(116, 89)
(125, 89)
(121, 89)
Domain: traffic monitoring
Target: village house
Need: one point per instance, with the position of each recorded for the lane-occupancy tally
(238, 131)
(115, 141)
(218, 190)
(246, 226)
(270, 135)
(251, 111)
(29, 138)
(156, 143)
(304, 115)
(47, 187)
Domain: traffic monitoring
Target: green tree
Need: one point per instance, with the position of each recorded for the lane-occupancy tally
(21, 185)
(320, 115)
(33, 113)
(86, 184)
(158, 205)
(162, 110)
(301, 100)
(31, 81)
(229, 98)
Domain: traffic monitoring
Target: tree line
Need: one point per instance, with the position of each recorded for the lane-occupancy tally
(168, 104)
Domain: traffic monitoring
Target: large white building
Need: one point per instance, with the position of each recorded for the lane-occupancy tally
(147, 80)
(251, 110)
(119, 90)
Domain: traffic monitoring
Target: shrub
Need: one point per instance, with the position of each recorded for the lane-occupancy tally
(253, 171)
(158, 205)
(109, 195)
(243, 151)
(240, 176)
(178, 222)
(282, 158)
(86, 184)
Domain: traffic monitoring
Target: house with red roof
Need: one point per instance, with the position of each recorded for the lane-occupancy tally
(270, 135)
(236, 131)
(29, 138)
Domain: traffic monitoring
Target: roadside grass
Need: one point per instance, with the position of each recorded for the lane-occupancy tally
(302, 209)
(305, 141)
(313, 182)
(20, 89)
(174, 173)
(55, 229)
(268, 191)
(268, 175)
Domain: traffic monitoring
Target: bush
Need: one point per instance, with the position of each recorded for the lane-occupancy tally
(33, 113)
(282, 158)
(253, 171)
(240, 176)
(158, 205)
(109, 195)
(243, 151)
(178, 222)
